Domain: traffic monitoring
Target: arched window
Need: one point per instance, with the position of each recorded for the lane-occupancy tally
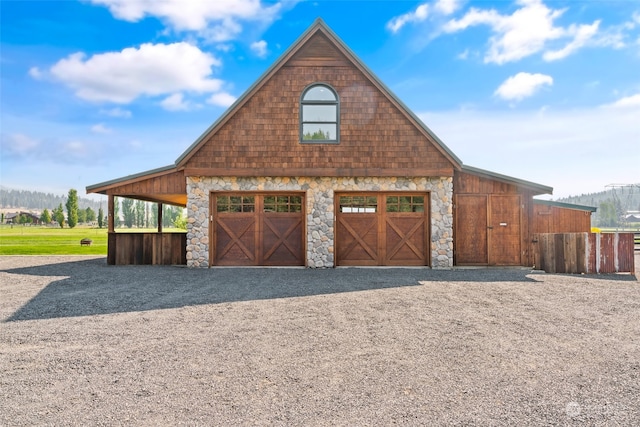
(319, 115)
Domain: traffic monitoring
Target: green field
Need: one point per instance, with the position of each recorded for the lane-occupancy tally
(38, 240)
(35, 240)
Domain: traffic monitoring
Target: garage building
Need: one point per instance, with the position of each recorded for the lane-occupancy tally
(318, 164)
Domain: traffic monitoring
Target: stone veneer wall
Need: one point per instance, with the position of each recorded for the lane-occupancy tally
(320, 206)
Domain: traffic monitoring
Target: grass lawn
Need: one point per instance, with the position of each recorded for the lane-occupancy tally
(36, 240)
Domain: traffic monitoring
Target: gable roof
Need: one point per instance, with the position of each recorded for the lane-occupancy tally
(129, 185)
(318, 28)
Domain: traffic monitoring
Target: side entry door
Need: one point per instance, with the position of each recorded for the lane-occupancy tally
(488, 229)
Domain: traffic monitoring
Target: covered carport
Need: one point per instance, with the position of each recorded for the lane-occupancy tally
(165, 185)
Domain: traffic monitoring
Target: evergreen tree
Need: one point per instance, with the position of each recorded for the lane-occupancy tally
(170, 214)
(58, 215)
(154, 215)
(72, 208)
(128, 212)
(82, 216)
(90, 214)
(100, 217)
(116, 211)
(608, 216)
(139, 213)
(45, 217)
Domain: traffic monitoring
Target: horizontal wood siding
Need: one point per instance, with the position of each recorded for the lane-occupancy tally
(553, 219)
(376, 137)
(579, 253)
(147, 249)
(169, 188)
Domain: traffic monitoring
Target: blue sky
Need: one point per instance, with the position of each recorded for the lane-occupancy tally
(546, 91)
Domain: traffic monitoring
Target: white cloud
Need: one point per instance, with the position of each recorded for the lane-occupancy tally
(525, 32)
(463, 55)
(632, 101)
(76, 149)
(217, 20)
(522, 85)
(18, 144)
(225, 47)
(259, 48)
(422, 12)
(152, 69)
(175, 102)
(54, 150)
(100, 128)
(117, 112)
(36, 73)
(583, 34)
(222, 99)
(419, 14)
(569, 150)
(447, 7)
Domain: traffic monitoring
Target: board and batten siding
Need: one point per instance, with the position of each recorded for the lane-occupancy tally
(492, 221)
(553, 219)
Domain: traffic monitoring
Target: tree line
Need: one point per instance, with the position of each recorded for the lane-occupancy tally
(37, 200)
(613, 204)
(127, 213)
(140, 214)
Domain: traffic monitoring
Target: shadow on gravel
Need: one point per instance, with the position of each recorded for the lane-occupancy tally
(91, 287)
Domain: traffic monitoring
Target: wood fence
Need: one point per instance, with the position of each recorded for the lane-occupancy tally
(577, 253)
(147, 249)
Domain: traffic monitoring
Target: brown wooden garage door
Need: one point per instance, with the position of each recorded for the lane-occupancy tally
(257, 229)
(382, 229)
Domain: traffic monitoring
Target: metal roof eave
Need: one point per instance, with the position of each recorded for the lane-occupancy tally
(565, 205)
(542, 189)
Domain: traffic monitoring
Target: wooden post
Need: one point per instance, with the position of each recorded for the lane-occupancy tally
(159, 217)
(110, 218)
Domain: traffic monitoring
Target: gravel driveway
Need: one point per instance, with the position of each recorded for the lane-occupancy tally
(82, 343)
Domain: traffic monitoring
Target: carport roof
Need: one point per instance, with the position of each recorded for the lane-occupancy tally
(161, 185)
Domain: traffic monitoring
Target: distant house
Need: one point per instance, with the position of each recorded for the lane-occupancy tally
(14, 218)
(319, 164)
(632, 217)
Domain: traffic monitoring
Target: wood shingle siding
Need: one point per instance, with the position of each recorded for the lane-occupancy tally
(376, 139)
